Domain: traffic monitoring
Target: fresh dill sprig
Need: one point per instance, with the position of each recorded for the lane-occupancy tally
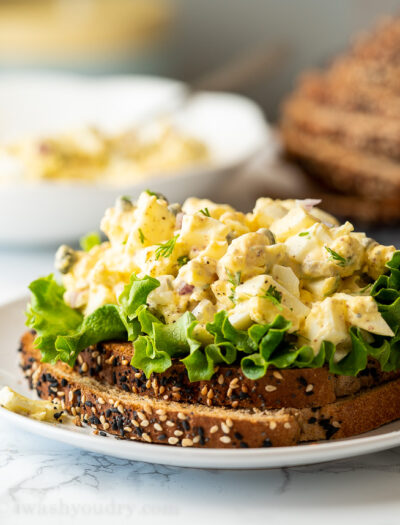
(141, 236)
(182, 260)
(273, 295)
(337, 258)
(205, 212)
(165, 249)
(234, 279)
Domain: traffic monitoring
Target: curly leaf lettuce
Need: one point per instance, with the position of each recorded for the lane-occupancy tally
(49, 316)
(90, 240)
(148, 359)
(132, 298)
(62, 331)
(104, 324)
(162, 341)
(274, 350)
(135, 294)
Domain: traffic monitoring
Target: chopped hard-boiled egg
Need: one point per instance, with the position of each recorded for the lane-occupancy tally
(329, 320)
(250, 254)
(285, 258)
(35, 409)
(326, 322)
(267, 298)
(295, 221)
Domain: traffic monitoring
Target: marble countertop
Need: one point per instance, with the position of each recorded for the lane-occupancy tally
(44, 482)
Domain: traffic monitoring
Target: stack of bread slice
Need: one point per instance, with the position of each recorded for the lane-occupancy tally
(342, 125)
(283, 408)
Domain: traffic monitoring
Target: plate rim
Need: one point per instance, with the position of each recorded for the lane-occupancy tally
(246, 459)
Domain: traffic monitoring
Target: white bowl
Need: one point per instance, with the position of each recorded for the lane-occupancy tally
(232, 126)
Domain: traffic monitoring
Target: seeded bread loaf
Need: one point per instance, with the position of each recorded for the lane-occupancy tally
(354, 70)
(139, 417)
(361, 131)
(341, 126)
(109, 363)
(362, 98)
(343, 168)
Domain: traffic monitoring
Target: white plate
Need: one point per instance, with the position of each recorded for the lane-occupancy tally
(232, 126)
(11, 328)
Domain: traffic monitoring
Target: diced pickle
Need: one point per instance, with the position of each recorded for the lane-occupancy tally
(65, 258)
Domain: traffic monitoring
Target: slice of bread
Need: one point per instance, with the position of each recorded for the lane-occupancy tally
(381, 43)
(341, 167)
(349, 69)
(109, 363)
(341, 125)
(362, 131)
(139, 417)
(362, 98)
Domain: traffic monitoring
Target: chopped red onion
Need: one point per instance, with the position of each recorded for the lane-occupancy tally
(179, 219)
(186, 289)
(308, 204)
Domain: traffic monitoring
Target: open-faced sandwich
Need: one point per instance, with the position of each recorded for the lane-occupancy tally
(203, 326)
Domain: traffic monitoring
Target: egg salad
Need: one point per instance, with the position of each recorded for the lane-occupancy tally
(89, 155)
(284, 285)
(50, 411)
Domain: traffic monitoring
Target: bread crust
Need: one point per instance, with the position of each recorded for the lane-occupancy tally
(138, 417)
(109, 363)
(361, 131)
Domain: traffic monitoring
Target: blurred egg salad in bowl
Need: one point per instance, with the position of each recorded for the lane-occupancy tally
(90, 155)
(86, 140)
(284, 286)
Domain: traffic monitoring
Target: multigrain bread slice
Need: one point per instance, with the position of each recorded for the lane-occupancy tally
(109, 363)
(355, 70)
(363, 98)
(362, 131)
(381, 43)
(341, 126)
(366, 77)
(343, 168)
(138, 417)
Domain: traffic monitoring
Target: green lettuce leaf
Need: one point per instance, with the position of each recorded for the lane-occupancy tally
(47, 311)
(148, 359)
(274, 350)
(133, 297)
(202, 362)
(164, 341)
(89, 240)
(49, 316)
(135, 294)
(62, 331)
(176, 338)
(104, 324)
(223, 331)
